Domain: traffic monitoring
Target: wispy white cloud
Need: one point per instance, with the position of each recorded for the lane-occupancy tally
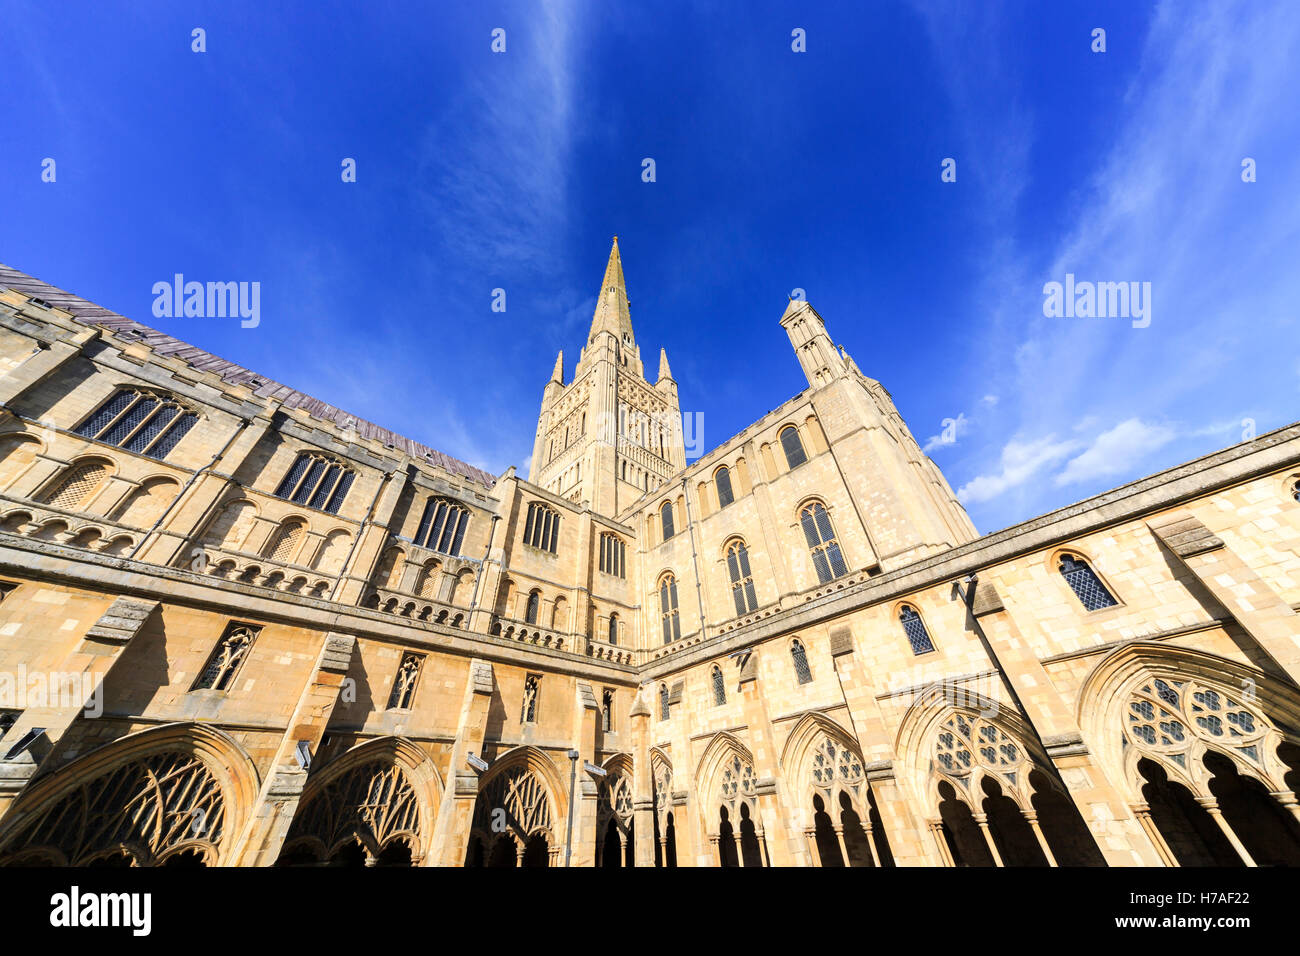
(1116, 451)
(1165, 204)
(1019, 462)
(498, 158)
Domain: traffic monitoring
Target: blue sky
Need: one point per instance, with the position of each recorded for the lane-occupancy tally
(775, 170)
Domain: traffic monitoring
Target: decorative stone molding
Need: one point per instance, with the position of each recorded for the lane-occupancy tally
(122, 621)
(765, 786)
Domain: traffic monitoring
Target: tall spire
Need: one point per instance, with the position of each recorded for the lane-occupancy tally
(558, 374)
(612, 313)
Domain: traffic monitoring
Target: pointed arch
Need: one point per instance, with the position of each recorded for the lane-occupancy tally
(383, 794)
(142, 795)
(526, 784)
(1126, 678)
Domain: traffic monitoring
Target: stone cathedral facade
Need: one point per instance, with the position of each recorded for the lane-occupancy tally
(240, 627)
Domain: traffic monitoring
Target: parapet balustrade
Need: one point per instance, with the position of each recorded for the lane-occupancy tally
(93, 533)
(526, 633)
(252, 569)
(416, 608)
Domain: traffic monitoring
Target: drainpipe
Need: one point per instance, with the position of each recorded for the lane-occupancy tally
(695, 561)
(568, 829)
(244, 423)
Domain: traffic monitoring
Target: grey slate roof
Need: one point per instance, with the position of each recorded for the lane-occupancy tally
(197, 358)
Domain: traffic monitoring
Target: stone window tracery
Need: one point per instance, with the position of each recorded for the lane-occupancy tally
(403, 691)
(227, 657)
(823, 545)
(317, 481)
(147, 808)
(742, 580)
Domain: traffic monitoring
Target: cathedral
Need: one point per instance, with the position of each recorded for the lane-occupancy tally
(242, 627)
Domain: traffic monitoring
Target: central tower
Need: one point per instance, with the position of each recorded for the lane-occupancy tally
(609, 436)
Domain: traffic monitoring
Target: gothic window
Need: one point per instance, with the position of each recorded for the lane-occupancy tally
(663, 701)
(666, 519)
(822, 543)
(737, 780)
(532, 684)
(442, 526)
(375, 799)
(613, 554)
(534, 606)
(914, 627)
(522, 796)
(400, 697)
(77, 485)
(793, 447)
(227, 657)
(542, 529)
(139, 422)
(607, 711)
(317, 482)
(144, 810)
(719, 686)
(1178, 720)
(834, 765)
(742, 581)
(802, 672)
(722, 478)
(672, 622)
(966, 742)
(613, 629)
(1084, 582)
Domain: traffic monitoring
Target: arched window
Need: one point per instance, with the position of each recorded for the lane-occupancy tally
(403, 690)
(532, 687)
(534, 605)
(542, 529)
(742, 581)
(283, 546)
(722, 478)
(77, 485)
(607, 711)
(793, 446)
(663, 701)
(822, 543)
(666, 519)
(613, 554)
(226, 657)
(139, 422)
(672, 623)
(1084, 582)
(719, 686)
(914, 627)
(317, 482)
(802, 672)
(613, 628)
(442, 526)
